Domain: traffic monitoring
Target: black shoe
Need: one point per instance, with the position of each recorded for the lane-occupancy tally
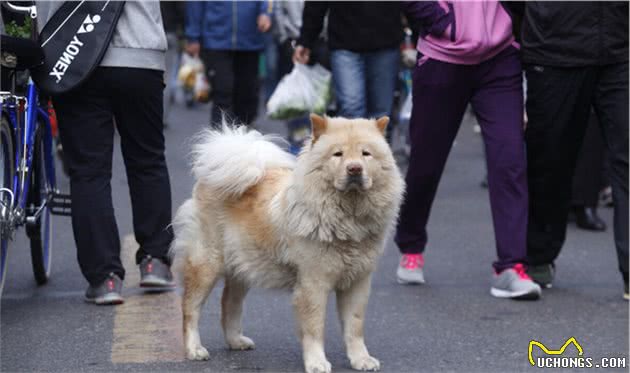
(108, 292)
(542, 274)
(154, 273)
(587, 218)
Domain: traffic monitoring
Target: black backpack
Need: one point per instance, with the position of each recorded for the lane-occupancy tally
(74, 42)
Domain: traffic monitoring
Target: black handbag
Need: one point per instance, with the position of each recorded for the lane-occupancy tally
(74, 42)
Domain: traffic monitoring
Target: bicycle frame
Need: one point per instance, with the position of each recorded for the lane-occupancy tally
(25, 116)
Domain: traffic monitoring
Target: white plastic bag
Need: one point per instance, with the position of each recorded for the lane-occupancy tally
(306, 89)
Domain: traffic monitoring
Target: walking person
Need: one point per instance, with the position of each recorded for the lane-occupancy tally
(228, 35)
(364, 39)
(125, 88)
(467, 54)
(576, 58)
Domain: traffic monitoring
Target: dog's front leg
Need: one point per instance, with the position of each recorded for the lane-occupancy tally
(351, 304)
(309, 301)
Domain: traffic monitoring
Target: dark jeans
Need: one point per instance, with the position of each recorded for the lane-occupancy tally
(587, 180)
(233, 77)
(441, 93)
(133, 98)
(559, 101)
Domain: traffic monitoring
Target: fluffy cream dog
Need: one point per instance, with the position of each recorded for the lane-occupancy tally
(259, 217)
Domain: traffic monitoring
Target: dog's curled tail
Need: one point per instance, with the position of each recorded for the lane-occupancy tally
(232, 159)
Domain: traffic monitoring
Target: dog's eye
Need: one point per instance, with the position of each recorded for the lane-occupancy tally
(366, 153)
(337, 154)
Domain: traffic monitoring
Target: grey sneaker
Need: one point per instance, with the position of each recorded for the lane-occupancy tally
(410, 269)
(542, 274)
(154, 273)
(514, 283)
(108, 292)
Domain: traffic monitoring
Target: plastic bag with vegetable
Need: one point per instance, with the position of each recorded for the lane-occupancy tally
(192, 78)
(306, 89)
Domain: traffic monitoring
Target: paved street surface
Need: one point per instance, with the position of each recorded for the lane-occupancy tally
(450, 324)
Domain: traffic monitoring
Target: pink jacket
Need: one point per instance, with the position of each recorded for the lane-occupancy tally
(462, 32)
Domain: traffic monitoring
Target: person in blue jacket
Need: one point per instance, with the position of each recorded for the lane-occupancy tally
(228, 35)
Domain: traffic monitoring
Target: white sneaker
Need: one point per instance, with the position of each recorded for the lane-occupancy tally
(514, 283)
(410, 269)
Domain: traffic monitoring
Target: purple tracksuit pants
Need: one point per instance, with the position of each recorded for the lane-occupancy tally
(441, 93)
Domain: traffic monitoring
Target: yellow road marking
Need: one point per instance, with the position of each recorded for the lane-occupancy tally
(147, 327)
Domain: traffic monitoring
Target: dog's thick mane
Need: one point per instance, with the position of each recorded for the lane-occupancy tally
(317, 210)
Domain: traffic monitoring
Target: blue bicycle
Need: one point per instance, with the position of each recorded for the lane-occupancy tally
(28, 193)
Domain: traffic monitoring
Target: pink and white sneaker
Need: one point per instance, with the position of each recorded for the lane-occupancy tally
(410, 269)
(515, 283)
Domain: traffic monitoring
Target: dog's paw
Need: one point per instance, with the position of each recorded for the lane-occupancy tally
(197, 353)
(365, 363)
(241, 343)
(317, 366)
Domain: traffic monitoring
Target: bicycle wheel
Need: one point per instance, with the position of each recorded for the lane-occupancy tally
(40, 233)
(6, 181)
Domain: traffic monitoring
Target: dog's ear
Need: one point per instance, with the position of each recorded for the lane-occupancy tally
(381, 124)
(318, 126)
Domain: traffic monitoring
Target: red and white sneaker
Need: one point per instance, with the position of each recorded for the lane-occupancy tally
(410, 270)
(515, 283)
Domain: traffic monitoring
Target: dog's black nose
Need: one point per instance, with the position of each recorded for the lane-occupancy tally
(354, 169)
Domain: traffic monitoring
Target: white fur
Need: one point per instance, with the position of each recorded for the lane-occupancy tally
(233, 159)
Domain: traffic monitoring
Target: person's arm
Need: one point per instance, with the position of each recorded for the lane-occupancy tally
(265, 13)
(432, 18)
(312, 22)
(192, 29)
(194, 20)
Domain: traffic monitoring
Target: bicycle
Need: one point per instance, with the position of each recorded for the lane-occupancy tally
(28, 193)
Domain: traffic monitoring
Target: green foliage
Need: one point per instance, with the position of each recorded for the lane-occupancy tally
(19, 31)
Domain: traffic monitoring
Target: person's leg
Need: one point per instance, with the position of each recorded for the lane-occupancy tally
(348, 72)
(588, 170)
(142, 143)
(587, 179)
(441, 92)
(558, 105)
(498, 105)
(381, 73)
(220, 72)
(611, 104)
(272, 65)
(87, 131)
(246, 86)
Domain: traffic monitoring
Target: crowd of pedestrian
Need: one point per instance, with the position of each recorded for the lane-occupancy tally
(543, 167)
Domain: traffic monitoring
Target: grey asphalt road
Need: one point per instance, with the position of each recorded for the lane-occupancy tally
(450, 324)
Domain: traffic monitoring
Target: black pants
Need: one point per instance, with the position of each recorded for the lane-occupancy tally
(133, 98)
(587, 180)
(233, 77)
(559, 101)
